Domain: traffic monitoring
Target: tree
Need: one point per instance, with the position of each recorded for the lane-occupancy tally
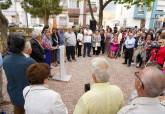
(128, 4)
(4, 24)
(42, 8)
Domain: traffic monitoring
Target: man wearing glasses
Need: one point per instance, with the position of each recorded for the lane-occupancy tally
(149, 84)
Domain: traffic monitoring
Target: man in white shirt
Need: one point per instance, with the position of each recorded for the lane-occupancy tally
(129, 44)
(87, 41)
(70, 42)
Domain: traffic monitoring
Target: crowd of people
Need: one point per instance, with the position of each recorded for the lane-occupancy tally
(27, 67)
(138, 46)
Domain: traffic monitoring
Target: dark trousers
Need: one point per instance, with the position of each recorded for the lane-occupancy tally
(70, 52)
(103, 47)
(128, 55)
(87, 48)
(96, 52)
(139, 60)
(79, 50)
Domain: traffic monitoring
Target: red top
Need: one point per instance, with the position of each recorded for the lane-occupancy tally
(161, 56)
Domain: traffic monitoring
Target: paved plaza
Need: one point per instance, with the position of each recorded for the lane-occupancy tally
(71, 91)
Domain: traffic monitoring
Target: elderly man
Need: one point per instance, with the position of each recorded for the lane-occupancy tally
(27, 49)
(149, 84)
(103, 98)
(15, 65)
(37, 49)
(70, 42)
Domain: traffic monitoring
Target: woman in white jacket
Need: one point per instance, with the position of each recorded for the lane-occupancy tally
(39, 99)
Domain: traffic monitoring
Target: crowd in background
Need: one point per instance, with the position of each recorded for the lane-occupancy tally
(27, 75)
(137, 46)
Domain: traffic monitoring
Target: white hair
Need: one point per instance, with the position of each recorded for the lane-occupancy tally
(100, 69)
(28, 45)
(35, 34)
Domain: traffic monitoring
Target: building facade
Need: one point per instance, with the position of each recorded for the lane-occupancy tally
(76, 12)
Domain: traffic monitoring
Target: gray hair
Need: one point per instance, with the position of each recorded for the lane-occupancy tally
(35, 34)
(27, 45)
(154, 81)
(100, 68)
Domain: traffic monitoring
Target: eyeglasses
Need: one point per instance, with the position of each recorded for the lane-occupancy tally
(137, 74)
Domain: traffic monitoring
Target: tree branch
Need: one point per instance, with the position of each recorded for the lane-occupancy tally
(91, 10)
(101, 4)
(106, 3)
(3, 18)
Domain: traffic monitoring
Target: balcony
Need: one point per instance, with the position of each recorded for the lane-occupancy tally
(87, 10)
(74, 12)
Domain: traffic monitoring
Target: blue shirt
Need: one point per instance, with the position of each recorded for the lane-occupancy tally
(130, 43)
(15, 66)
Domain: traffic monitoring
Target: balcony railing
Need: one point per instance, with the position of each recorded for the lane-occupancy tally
(73, 11)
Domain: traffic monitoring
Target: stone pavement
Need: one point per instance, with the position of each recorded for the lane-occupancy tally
(71, 91)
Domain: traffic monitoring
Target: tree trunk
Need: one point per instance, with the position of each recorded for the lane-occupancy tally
(46, 19)
(100, 16)
(3, 32)
(91, 10)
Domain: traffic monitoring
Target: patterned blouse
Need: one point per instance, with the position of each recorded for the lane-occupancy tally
(46, 43)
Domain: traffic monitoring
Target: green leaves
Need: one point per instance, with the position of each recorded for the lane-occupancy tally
(38, 8)
(140, 3)
(6, 4)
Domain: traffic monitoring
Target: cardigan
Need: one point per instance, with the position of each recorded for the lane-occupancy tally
(15, 66)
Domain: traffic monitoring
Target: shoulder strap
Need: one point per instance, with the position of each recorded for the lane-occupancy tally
(27, 92)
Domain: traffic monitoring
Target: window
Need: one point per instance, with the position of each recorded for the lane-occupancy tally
(74, 20)
(62, 21)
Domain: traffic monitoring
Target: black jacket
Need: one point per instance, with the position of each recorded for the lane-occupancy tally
(55, 39)
(37, 51)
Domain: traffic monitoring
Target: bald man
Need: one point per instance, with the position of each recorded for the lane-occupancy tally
(149, 84)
